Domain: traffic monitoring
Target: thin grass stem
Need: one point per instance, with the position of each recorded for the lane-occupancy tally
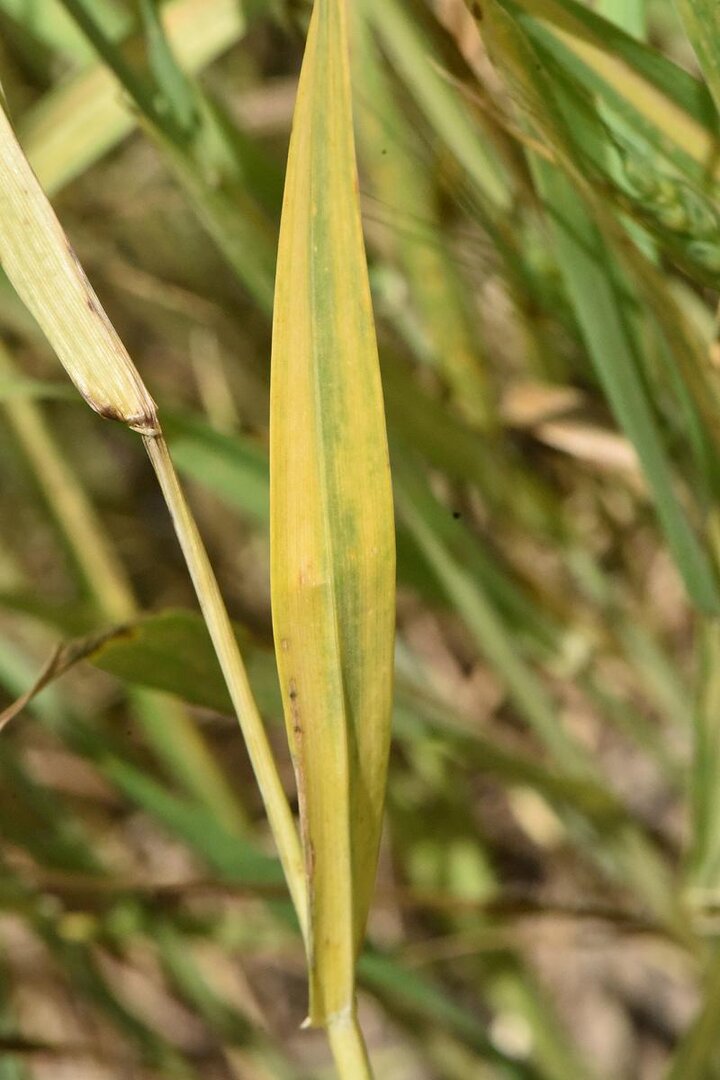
(348, 1048)
(221, 632)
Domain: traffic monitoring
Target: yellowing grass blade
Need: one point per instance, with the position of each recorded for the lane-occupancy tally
(44, 270)
(332, 538)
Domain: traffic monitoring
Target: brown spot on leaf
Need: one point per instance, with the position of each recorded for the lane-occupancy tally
(294, 709)
(146, 424)
(107, 411)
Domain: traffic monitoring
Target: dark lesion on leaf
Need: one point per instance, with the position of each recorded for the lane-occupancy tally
(91, 299)
(294, 709)
(73, 255)
(108, 412)
(146, 424)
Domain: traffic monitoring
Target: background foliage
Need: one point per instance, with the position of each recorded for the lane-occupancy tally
(539, 194)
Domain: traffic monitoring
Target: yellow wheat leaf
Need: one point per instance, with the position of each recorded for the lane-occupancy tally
(44, 270)
(332, 533)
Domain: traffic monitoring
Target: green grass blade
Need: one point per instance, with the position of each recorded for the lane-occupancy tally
(701, 20)
(628, 56)
(48, 23)
(416, 60)
(391, 152)
(201, 157)
(704, 864)
(629, 15)
(232, 858)
(235, 468)
(176, 89)
(14, 387)
(423, 1003)
(84, 117)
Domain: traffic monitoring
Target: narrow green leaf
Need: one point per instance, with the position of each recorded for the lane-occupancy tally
(701, 19)
(234, 468)
(229, 855)
(73, 125)
(627, 62)
(704, 868)
(48, 23)
(172, 651)
(13, 387)
(201, 160)
(175, 87)
(417, 61)
(392, 151)
(421, 1001)
(674, 133)
(629, 15)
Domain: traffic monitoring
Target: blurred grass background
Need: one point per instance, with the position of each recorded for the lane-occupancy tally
(541, 221)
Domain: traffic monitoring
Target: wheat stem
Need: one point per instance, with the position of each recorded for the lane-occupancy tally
(233, 669)
(348, 1048)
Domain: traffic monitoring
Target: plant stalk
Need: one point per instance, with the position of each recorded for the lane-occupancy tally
(223, 639)
(348, 1048)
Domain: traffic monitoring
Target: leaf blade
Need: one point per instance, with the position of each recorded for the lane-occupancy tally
(332, 544)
